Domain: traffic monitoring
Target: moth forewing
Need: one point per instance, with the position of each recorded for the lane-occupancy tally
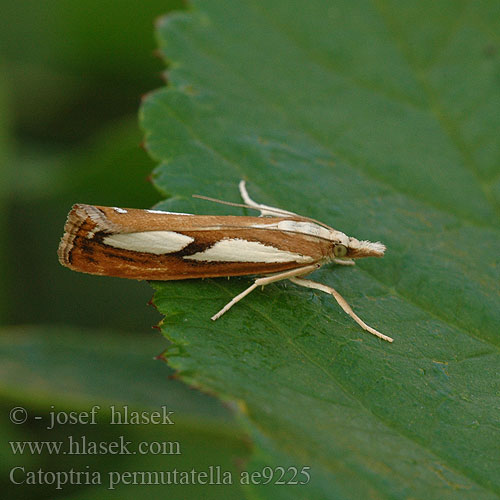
(141, 244)
(157, 245)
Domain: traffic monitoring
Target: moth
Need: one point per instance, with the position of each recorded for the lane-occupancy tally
(158, 245)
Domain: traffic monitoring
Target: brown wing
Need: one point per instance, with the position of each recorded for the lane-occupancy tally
(82, 247)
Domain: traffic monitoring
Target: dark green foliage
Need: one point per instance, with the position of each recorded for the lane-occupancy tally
(380, 119)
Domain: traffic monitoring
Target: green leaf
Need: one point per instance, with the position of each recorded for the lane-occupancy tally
(61, 369)
(380, 119)
(83, 366)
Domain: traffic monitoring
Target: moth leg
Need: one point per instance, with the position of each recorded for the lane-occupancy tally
(301, 271)
(264, 209)
(344, 262)
(342, 303)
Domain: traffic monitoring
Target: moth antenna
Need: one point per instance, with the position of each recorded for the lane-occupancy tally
(222, 202)
(244, 205)
(284, 213)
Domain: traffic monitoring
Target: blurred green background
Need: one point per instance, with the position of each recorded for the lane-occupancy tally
(72, 78)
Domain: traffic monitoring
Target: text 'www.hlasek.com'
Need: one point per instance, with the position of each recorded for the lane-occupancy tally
(78, 444)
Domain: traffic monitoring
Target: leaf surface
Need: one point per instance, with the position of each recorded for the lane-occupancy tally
(380, 119)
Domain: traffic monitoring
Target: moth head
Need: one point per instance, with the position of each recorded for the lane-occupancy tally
(339, 251)
(357, 249)
(348, 248)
